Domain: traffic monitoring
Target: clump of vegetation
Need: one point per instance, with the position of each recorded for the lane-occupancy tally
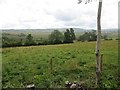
(69, 36)
(29, 40)
(56, 37)
(88, 36)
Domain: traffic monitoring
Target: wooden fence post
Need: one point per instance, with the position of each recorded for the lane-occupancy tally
(51, 65)
(98, 74)
(101, 61)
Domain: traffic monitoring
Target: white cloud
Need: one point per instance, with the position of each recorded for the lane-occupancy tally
(56, 13)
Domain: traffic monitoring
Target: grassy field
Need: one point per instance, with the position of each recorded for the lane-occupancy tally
(72, 62)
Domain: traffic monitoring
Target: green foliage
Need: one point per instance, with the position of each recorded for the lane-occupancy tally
(73, 62)
(18, 38)
(42, 81)
(88, 36)
(105, 37)
(6, 42)
(29, 40)
(56, 37)
(69, 36)
(73, 37)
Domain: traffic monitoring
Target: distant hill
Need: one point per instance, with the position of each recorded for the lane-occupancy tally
(78, 31)
(50, 30)
(41, 30)
(110, 30)
(44, 33)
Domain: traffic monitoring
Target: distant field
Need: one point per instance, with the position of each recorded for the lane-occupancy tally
(73, 62)
(36, 35)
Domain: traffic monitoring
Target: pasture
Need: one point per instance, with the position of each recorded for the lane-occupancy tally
(73, 62)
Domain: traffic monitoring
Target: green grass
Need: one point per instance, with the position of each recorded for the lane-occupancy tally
(73, 62)
(36, 35)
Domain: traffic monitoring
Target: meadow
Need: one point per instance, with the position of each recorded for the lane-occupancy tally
(70, 62)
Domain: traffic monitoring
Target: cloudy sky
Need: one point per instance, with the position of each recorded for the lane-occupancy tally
(32, 14)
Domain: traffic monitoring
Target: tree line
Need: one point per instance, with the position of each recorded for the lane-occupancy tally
(56, 37)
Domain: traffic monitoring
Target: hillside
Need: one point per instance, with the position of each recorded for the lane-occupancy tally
(74, 62)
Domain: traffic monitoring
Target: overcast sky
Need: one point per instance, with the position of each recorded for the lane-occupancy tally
(32, 14)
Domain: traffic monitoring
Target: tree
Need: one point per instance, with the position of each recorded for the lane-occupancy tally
(73, 37)
(69, 36)
(88, 36)
(56, 37)
(7, 42)
(29, 40)
(93, 36)
(105, 37)
(98, 71)
(84, 37)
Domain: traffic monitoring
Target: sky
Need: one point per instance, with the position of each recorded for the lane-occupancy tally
(42, 14)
